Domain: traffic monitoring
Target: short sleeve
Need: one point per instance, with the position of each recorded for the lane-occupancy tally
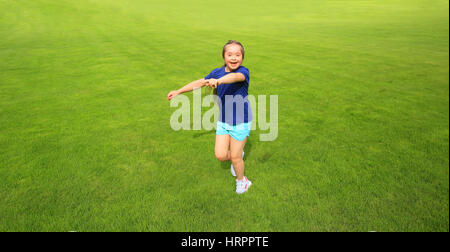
(211, 75)
(245, 72)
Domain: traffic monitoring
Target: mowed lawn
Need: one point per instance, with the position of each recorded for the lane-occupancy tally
(85, 136)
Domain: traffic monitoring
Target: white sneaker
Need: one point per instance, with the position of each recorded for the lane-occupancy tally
(242, 186)
(233, 172)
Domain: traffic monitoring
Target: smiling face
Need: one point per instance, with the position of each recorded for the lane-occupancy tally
(233, 57)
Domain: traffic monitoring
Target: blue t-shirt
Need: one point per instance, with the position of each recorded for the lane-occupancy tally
(234, 106)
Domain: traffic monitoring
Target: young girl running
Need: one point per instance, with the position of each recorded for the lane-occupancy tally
(231, 84)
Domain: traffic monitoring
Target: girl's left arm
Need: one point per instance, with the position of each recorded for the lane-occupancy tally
(227, 79)
(231, 78)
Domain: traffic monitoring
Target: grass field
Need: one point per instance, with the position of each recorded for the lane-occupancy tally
(86, 145)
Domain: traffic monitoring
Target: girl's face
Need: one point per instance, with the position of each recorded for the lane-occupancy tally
(233, 57)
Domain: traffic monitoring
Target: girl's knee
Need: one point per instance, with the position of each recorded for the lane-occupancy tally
(236, 158)
(222, 156)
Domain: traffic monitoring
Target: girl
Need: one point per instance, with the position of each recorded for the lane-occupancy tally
(231, 84)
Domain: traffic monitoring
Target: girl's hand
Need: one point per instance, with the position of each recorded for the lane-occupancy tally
(213, 83)
(172, 94)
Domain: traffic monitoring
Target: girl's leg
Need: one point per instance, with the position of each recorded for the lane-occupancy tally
(222, 147)
(236, 149)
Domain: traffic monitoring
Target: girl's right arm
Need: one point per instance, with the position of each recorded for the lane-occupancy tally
(189, 87)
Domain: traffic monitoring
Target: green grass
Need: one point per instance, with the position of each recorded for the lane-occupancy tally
(86, 145)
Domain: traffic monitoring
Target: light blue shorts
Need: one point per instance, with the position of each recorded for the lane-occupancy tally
(238, 132)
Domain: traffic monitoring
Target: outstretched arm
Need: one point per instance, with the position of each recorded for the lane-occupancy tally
(189, 87)
(231, 78)
(227, 79)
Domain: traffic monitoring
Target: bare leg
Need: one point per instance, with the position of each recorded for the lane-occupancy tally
(236, 149)
(222, 147)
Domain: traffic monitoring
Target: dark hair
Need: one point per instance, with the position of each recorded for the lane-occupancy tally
(230, 42)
